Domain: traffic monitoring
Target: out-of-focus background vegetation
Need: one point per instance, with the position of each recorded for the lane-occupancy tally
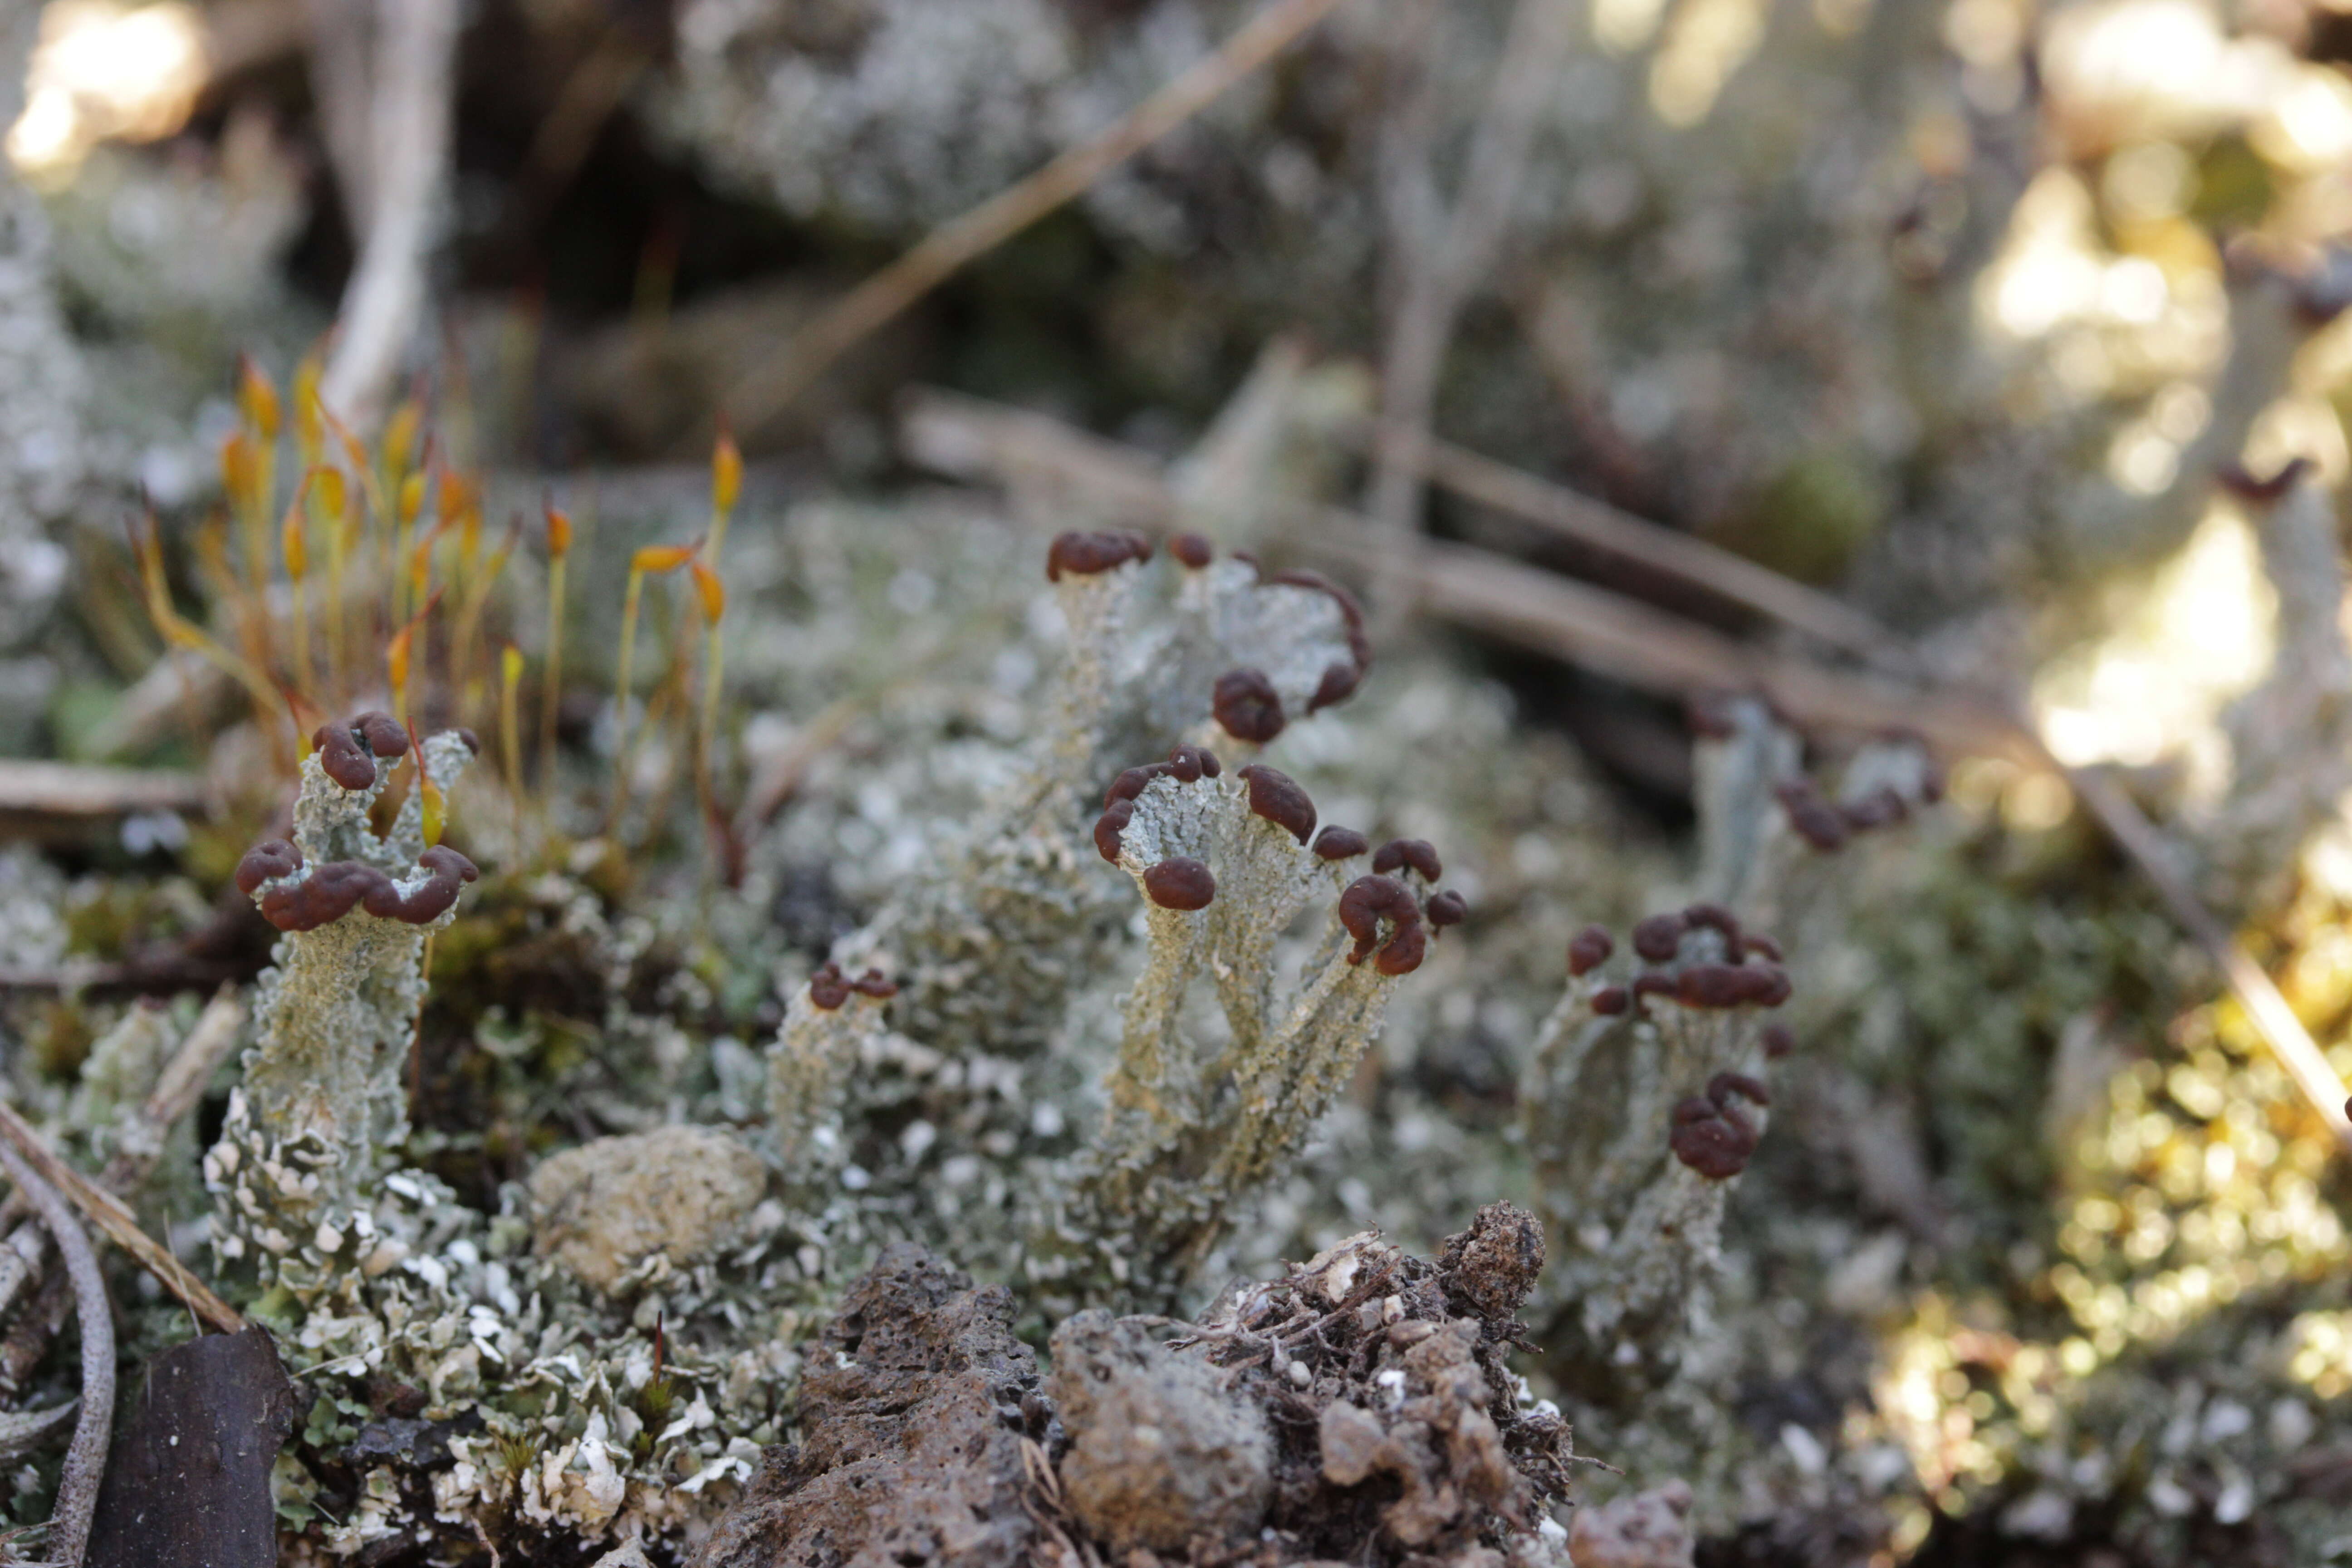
(1980, 326)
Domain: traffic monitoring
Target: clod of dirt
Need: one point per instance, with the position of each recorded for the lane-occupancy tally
(1648, 1529)
(1437, 1441)
(1397, 1435)
(1162, 1451)
(913, 1410)
(602, 1208)
(1488, 1269)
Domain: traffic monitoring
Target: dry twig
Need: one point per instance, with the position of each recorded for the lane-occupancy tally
(769, 389)
(410, 86)
(86, 1455)
(1440, 259)
(108, 1213)
(782, 776)
(1581, 517)
(35, 797)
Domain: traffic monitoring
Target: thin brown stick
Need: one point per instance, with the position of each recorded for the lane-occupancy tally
(84, 1466)
(108, 1213)
(76, 791)
(596, 87)
(1440, 262)
(1570, 515)
(409, 129)
(2321, 1087)
(768, 389)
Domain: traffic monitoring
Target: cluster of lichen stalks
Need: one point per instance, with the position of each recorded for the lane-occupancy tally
(1647, 1095)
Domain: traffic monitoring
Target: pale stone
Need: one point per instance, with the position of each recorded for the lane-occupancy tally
(604, 1208)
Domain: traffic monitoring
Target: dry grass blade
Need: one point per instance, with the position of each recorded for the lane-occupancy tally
(1581, 517)
(1661, 652)
(770, 389)
(2298, 1052)
(782, 776)
(108, 1214)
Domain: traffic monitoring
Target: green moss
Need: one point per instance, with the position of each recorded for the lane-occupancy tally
(1809, 520)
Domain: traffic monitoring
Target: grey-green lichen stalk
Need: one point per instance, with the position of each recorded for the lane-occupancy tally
(324, 1094)
(1226, 864)
(1681, 1042)
(990, 942)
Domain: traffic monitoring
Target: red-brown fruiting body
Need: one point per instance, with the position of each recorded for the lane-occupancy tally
(1110, 825)
(1810, 816)
(1417, 853)
(1448, 909)
(1715, 917)
(1761, 946)
(342, 758)
(1882, 807)
(1611, 1000)
(473, 742)
(1587, 950)
(347, 752)
(1277, 798)
(1712, 1139)
(266, 862)
(1088, 553)
(2240, 481)
(383, 734)
(1338, 683)
(1190, 765)
(1721, 985)
(1657, 937)
(332, 890)
(1340, 680)
(1713, 985)
(1777, 1041)
(828, 988)
(1192, 549)
(1653, 983)
(1367, 901)
(1723, 1085)
(1336, 843)
(1179, 883)
(1185, 764)
(1245, 702)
